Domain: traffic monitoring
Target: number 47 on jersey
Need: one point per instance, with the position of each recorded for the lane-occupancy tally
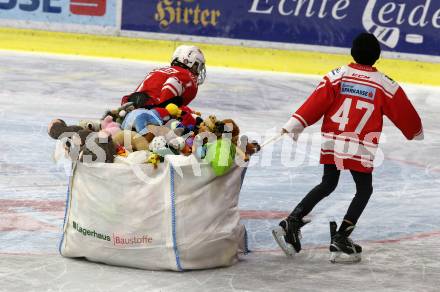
(343, 114)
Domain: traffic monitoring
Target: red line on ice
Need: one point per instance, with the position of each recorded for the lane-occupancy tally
(24, 222)
(7, 205)
(416, 236)
(414, 163)
(259, 214)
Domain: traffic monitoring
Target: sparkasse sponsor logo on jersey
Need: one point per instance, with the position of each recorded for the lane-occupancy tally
(354, 89)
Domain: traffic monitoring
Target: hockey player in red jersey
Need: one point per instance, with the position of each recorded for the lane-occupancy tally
(176, 84)
(352, 101)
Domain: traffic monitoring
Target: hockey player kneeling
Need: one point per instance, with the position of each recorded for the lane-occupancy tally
(352, 100)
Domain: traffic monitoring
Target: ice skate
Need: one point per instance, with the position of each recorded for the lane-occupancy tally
(342, 248)
(288, 235)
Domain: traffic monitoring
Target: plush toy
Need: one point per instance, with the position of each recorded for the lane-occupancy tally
(157, 131)
(231, 128)
(154, 159)
(207, 130)
(244, 149)
(251, 147)
(210, 122)
(221, 153)
(188, 118)
(220, 156)
(208, 125)
(200, 146)
(121, 151)
(110, 127)
(177, 144)
(119, 114)
(82, 144)
(131, 140)
(232, 131)
(187, 148)
(140, 119)
(167, 131)
(173, 110)
(58, 127)
(92, 125)
(159, 146)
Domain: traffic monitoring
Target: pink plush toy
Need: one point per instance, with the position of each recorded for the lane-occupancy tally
(110, 127)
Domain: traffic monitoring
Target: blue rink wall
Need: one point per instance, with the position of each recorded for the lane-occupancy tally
(408, 27)
(99, 13)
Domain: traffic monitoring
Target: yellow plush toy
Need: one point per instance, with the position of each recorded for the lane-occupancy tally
(173, 110)
(154, 159)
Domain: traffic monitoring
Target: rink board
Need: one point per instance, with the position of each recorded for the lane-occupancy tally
(159, 51)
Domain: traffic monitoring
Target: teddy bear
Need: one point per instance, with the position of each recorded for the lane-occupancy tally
(120, 113)
(245, 148)
(130, 141)
(208, 125)
(82, 144)
(232, 131)
(109, 126)
(206, 130)
(92, 125)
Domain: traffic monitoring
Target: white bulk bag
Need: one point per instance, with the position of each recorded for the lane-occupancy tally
(177, 217)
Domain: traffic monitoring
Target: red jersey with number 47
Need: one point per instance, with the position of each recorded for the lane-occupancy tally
(353, 100)
(166, 83)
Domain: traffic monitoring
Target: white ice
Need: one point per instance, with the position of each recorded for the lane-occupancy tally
(399, 228)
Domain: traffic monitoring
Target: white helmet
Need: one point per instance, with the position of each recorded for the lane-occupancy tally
(192, 58)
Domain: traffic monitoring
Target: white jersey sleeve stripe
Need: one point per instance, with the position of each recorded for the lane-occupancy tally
(321, 85)
(170, 88)
(303, 121)
(176, 84)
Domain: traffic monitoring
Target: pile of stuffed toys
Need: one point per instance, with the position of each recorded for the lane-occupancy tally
(136, 135)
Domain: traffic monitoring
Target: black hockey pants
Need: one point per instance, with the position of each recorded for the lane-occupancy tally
(364, 189)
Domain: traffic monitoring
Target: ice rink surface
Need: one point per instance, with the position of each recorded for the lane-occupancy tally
(399, 229)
